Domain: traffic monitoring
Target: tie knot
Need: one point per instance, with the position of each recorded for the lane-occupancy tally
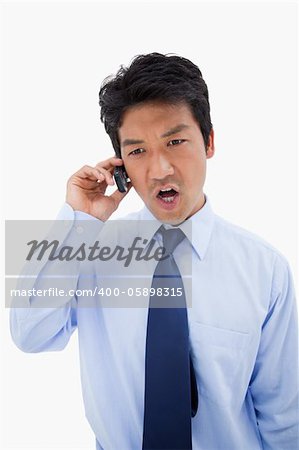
(171, 239)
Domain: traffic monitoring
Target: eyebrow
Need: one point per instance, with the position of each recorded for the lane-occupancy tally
(175, 130)
(168, 133)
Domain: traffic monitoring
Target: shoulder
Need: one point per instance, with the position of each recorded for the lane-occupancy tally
(245, 241)
(251, 256)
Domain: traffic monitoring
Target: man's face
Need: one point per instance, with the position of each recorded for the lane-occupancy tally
(164, 155)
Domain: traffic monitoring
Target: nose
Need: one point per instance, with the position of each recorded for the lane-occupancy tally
(160, 167)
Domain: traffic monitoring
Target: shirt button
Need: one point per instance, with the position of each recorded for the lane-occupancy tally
(79, 229)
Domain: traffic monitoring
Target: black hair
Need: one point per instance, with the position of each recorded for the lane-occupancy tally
(154, 77)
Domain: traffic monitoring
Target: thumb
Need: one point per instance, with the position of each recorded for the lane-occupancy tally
(118, 196)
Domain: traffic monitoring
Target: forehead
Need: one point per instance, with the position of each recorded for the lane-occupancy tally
(158, 115)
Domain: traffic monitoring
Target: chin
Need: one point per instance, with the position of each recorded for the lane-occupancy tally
(170, 219)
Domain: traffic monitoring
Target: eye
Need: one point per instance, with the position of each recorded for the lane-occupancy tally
(175, 142)
(137, 151)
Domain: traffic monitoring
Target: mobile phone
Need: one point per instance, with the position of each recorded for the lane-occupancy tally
(121, 178)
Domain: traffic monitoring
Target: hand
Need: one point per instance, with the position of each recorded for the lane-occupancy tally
(86, 189)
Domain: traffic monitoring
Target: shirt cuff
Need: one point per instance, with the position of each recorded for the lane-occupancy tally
(68, 213)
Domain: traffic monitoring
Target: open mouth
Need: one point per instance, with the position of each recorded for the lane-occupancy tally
(168, 198)
(167, 195)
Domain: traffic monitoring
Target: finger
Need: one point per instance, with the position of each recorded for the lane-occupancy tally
(97, 175)
(110, 163)
(87, 172)
(118, 196)
(106, 173)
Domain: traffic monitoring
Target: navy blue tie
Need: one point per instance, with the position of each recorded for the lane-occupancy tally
(170, 386)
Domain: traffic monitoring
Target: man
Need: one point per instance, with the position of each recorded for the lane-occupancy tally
(235, 386)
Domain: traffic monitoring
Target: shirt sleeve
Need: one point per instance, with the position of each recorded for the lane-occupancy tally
(274, 383)
(46, 322)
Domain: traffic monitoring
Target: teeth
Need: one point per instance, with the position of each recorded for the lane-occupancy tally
(166, 190)
(168, 199)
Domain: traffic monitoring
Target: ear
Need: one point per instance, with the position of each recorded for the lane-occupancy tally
(211, 147)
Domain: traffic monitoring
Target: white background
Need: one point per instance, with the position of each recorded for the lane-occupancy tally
(54, 58)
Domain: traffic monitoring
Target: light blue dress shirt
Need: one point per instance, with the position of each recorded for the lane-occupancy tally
(243, 342)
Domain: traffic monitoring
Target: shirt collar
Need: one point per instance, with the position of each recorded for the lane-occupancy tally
(198, 228)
